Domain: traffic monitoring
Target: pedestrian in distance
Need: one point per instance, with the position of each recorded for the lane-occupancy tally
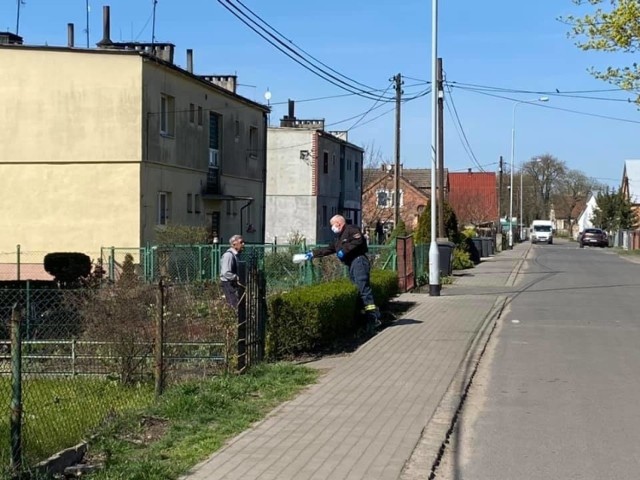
(350, 246)
(229, 272)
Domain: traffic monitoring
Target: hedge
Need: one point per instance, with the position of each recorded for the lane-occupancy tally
(311, 317)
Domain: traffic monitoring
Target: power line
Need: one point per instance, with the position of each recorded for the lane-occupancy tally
(301, 60)
(464, 135)
(577, 112)
(373, 107)
(298, 47)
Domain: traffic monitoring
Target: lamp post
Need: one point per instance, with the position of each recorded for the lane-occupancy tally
(434, 255)
(513, 154)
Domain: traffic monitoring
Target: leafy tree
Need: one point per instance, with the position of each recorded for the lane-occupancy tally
(612, 29)
(613, 212)
(422, 234)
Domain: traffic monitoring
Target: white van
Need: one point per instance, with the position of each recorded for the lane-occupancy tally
(542, 231)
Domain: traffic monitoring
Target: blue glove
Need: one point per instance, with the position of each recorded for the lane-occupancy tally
(340, 254)
(308, 255)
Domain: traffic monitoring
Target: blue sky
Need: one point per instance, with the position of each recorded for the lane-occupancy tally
(518, 45)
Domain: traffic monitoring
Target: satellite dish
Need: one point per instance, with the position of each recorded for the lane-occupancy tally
(388, 168)
(267, 95)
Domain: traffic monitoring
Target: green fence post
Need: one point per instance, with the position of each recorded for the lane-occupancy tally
(111, 265)
(200, 267)
(16, 397)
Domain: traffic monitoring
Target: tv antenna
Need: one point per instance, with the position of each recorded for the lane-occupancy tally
(87, 10)
(267, 96)
(20, 3)
(153, 23)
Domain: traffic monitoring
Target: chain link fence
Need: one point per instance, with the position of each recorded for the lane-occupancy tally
(71, 361)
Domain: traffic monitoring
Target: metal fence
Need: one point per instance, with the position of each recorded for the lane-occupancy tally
(626, 239)
(73, 360)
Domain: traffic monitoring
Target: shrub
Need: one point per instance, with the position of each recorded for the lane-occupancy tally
(67, 267)
(384, 284)
(461, 259)
(309, 317)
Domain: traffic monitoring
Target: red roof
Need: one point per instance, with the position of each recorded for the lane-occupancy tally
(474, 196)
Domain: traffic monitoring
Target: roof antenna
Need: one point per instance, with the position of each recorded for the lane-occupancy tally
(88, 9)
(20, 2)
(153, 25)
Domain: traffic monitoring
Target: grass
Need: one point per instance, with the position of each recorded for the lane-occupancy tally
(622, 251)
(191, 421)
(59, 412)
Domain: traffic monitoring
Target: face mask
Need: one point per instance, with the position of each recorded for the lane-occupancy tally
(335, 229)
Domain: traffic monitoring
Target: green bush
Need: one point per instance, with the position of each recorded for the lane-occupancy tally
(461, 259)
(306, 318)
(384, 284)
(310, 317)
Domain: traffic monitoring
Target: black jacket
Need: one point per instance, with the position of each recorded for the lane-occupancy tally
(350, 241)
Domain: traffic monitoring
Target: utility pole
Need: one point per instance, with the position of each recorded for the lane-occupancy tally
(500, 197)
(441, 231)
(396, 200)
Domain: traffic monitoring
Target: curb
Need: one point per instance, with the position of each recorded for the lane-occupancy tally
(430, 449)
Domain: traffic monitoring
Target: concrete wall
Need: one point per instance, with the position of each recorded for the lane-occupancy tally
(70, 148)
(242, 165)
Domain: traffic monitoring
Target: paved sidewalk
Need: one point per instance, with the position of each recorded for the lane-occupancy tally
(370, 412)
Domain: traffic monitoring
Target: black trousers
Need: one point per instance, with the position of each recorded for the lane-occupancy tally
(232, 292)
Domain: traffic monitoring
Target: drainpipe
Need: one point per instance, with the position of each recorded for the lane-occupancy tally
(241, 216)
(263, 233)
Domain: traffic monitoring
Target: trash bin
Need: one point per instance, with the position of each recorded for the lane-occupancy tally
(485, 246)
(445, 251)
(474, 245)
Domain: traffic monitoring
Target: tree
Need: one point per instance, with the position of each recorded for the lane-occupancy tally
(615, 29)
(545, 173)
(573, 188)
(422, 234)
(613, 211)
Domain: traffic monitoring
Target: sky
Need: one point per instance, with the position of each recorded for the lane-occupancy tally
(518, 46)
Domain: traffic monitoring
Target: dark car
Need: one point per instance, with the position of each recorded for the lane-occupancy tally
(593, 236)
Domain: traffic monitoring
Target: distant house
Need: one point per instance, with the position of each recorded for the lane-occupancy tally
(474, 197)
(312, 175)
(379, 195)
(585, 219)
(630, 186)
(565, 213)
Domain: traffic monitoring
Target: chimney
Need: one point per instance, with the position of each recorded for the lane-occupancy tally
(469, 171)
(70, 36)
(106, 28)
(292, 107)
(189, 60)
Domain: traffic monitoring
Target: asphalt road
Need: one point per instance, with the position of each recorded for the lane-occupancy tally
(557, 394)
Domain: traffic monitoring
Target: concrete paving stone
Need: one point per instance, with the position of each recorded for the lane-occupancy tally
(365, 416)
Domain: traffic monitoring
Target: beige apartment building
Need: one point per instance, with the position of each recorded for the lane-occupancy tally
(101, 147)
(313, 174)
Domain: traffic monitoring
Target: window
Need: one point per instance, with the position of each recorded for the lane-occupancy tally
(348, 164)
(164, 208)
(197, 203)
(167, 115)
(253, 141)
(325, 220)
(325, 162)
(192, 113)
(200, 116)
(356, 172)
(386, 198)
(189, 203)
(214, 131)
(382, 199)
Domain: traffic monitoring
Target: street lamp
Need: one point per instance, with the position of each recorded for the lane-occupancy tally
(513, 154)
(434, 254)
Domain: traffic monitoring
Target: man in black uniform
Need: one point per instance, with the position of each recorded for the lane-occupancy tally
(350, 246)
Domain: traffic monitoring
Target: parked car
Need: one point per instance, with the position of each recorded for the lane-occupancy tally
(593, 236)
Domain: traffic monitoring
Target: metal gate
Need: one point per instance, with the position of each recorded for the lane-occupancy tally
(252, 311)
(406, 270)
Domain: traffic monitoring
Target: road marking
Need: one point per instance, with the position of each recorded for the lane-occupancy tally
(515, 321)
